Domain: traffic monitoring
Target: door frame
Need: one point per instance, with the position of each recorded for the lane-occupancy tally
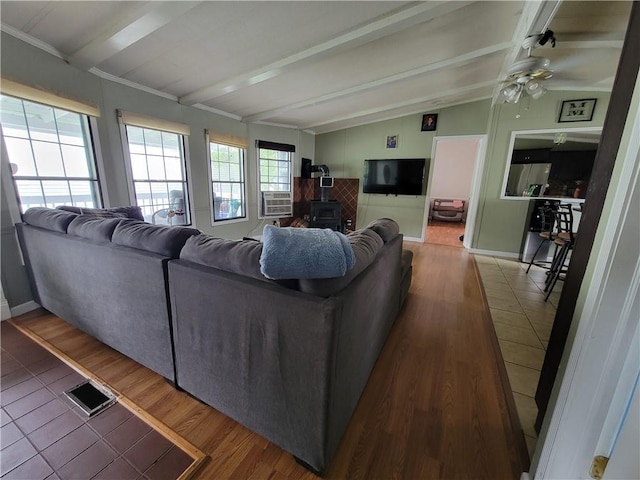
(472, 208)
(592, 373)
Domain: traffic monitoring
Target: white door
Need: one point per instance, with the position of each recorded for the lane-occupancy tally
(624, 462)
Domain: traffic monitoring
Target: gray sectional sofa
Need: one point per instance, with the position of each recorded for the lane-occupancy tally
(288, 359)
(106, 276)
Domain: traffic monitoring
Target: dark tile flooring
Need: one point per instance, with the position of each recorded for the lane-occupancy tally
(43, 435)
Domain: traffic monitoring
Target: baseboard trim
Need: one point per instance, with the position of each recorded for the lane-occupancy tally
(6, 311)
(413, 239)
(494, 253)
(24, 308)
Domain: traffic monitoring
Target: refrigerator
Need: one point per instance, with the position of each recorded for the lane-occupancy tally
(531, 240)
(528, 179)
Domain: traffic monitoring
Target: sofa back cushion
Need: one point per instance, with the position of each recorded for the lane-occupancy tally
(385, 227)
(94, 228)
(366, 244)
(241, 257)
(48, 218)
(163, 240)
(115, 212)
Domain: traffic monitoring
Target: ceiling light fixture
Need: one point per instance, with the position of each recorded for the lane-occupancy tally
(534, 88)
(511, 93)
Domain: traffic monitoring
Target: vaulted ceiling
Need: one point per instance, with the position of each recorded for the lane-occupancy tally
(322, 66)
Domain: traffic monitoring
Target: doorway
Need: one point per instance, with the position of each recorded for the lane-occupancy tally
(451, 201)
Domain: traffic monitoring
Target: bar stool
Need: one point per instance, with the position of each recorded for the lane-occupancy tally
(547, 221)
(564, 240)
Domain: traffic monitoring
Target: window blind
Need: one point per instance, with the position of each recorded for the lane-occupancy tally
(144, 121)
(226, 139)
(15, 89)
(283, 147)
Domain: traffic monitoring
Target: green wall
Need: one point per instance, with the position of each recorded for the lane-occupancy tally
(344, 151)
(24, 63)
(500, 223)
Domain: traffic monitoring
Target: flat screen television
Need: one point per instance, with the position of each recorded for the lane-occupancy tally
(402, 176)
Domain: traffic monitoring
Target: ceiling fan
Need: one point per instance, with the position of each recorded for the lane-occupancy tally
(527, 75)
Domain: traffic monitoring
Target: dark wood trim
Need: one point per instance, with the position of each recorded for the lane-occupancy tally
(613, 128)
(512, 410)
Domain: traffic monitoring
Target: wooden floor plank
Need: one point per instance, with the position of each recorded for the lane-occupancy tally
(436, 405)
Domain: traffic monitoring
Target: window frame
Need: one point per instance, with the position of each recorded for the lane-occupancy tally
(91, 147)
(186, 163)
(279, 147)
(243, 182)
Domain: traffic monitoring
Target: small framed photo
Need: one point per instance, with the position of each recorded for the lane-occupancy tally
(392, 141)
(429, 122)
(577, 110)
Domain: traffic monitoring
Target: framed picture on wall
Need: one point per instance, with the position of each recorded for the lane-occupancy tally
(429, 122)
(577, 110)
(392, 141)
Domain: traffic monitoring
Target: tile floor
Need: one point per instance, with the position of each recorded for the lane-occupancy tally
(43, 435)
(523, 321)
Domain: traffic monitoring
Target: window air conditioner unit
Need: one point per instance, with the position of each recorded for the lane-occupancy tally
(276, 204)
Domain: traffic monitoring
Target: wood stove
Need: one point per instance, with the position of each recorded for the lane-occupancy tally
(325, 214)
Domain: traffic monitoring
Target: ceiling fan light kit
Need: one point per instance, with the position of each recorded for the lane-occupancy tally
(511, 93)
(526, 75)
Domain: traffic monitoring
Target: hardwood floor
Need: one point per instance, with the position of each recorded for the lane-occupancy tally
(436, 405)
(444, 233)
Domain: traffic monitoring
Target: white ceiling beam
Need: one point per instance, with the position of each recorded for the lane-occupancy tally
(383, 108)
(392, 23)
(382, 82)
(128, 30)
(421, 109)
(25, 37)
(535, 18)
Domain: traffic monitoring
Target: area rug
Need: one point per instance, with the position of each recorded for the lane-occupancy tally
(45, 434)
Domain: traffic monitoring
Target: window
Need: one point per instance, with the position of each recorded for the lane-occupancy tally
(50, 152)
(227, 181)
(275, 162)
(158, 171)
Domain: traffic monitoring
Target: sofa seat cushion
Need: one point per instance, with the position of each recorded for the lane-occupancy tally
(365, 244)
(115, 212)
(49, 219)
(385, 227)
(163, 240)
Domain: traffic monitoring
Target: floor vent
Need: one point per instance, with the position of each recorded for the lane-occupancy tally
(90, 397)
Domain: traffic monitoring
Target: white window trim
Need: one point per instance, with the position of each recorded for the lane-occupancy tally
(97, 155)
(129, 172)
(261, 216)
(127, 163)
(7, 179)
(9, 185)
(219, 140)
